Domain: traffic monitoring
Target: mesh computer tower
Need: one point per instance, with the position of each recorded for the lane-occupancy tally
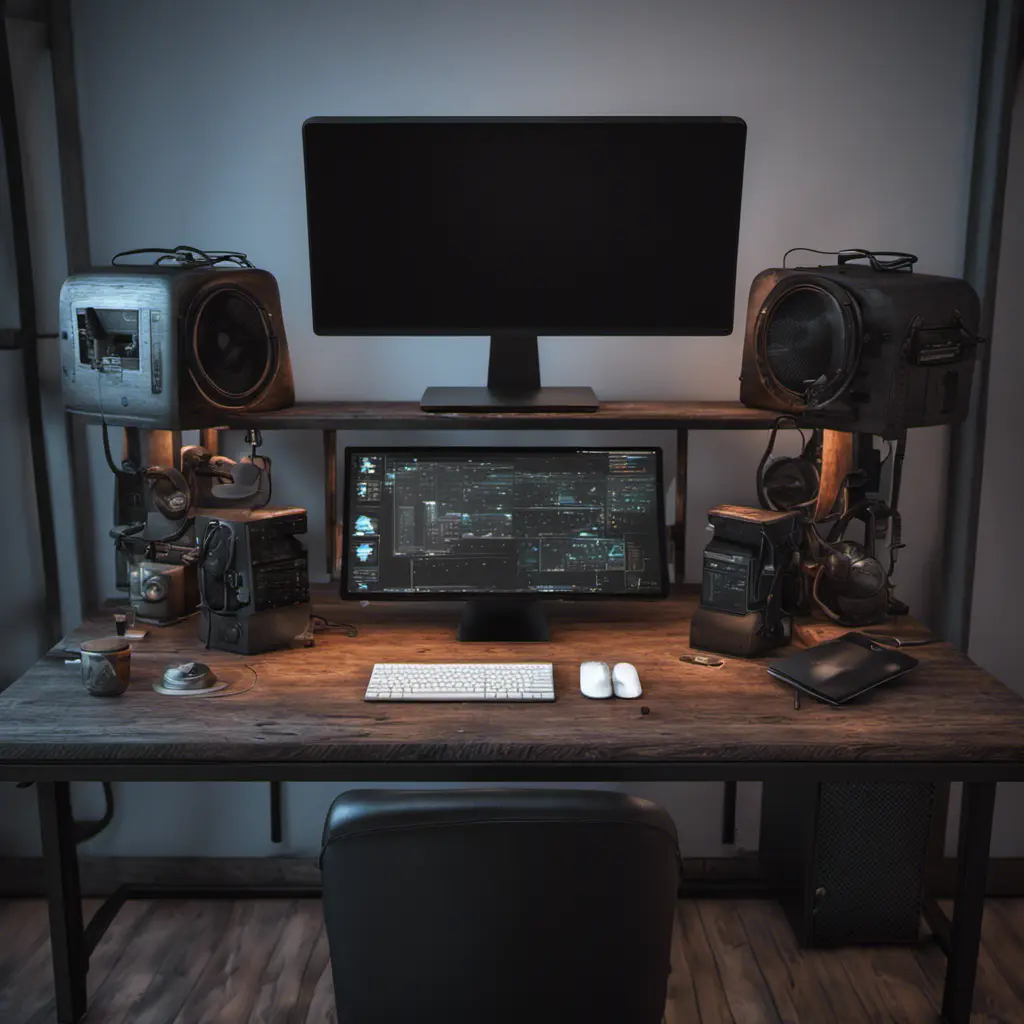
(848, 859)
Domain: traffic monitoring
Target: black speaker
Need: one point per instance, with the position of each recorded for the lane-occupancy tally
(848, 859)
(853, 348)
(173, 347)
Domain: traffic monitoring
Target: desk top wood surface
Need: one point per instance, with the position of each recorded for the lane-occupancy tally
(306, 705)
(700, 415)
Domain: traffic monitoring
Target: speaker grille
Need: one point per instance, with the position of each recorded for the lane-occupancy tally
(872, 839)
(234, 352)
(805, 338)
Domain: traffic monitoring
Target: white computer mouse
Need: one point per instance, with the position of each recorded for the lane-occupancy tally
(625, 681)
(595, 679)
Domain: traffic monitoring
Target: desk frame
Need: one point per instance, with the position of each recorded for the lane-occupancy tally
(73, 941)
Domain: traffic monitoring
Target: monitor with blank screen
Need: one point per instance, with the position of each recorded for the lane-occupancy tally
(514, 227)
(435, 523)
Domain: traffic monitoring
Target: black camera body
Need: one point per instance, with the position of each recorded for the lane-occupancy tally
(747, 566)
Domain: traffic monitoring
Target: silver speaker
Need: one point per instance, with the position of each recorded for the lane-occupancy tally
(172, 347)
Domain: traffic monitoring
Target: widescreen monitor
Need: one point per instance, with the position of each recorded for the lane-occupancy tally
(503, 523)
(515, 227)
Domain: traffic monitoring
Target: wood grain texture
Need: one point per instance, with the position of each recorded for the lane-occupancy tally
(747, 992)
(307, 708)
(836, 465)
(409, 415)
(270, 965)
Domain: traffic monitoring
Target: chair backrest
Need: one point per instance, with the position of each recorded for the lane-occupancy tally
(499, 905)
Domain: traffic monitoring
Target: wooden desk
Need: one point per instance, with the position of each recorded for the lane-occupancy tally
(304, 719)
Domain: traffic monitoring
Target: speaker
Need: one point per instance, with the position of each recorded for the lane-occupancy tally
(253, 578)
(854, 348)
(848, 859)
(173, 347)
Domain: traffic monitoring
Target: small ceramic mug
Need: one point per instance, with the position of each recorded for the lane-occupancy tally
(106, 666)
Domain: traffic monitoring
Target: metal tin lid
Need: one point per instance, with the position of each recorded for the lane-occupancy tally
(106, 645)
(192, 675)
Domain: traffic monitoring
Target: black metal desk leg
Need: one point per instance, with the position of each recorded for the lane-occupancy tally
(971, 875)
(60, 867)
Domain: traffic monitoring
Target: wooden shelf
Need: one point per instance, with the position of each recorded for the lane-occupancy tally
(409, 416)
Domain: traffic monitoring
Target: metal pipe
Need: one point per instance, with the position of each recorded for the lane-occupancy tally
(29, 344)
(331, 500)
(1000, 60)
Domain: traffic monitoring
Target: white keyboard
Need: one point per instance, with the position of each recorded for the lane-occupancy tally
(502, 681)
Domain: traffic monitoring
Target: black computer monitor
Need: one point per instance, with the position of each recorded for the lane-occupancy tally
(500, 527)
(514, 227)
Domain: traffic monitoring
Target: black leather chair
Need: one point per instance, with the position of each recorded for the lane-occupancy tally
(499, 905)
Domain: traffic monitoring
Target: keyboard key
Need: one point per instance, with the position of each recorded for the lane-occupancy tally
(458, 681)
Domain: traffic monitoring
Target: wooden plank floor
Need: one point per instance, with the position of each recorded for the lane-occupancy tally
(266, 962)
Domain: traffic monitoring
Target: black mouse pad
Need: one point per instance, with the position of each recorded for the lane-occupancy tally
(841, 669)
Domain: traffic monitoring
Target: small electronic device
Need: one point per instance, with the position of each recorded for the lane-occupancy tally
(626, 681)
(598, 682)
(517, 226)
(741, 609)
(173, 346)
(502, 528)
(595, 680)
(503, 681)
(162, 593)
(841, 669)
(253, 578)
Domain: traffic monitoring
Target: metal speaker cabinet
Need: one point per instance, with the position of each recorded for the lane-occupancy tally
(848, 859)
(857, 349)
(172, 347)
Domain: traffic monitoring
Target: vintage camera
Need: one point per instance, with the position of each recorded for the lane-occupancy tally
(748, 568)
(162, 593)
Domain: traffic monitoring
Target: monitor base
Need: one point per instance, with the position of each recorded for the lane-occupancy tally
(441, 399)
(494, 620)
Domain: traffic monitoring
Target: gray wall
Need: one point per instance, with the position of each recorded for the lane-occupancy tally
(860, 132)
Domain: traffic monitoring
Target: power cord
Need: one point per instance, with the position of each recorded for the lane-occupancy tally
(189, 256)
(897, 260)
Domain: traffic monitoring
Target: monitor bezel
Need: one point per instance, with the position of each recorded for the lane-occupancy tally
(484, 330)
(519, 595)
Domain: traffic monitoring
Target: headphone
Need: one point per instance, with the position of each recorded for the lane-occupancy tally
(167, 492)
(851, 585)
(788, 482)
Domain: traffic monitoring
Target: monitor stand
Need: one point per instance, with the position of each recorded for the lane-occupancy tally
(500, 620)
(513, 384)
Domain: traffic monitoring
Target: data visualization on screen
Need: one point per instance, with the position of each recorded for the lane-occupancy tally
(467, 522)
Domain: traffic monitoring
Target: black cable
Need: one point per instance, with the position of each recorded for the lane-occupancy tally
(87, 829)
(212, 529)
(899, 260)
(110, 458)
(189, 255)
(270, 485)
(894, 514)
(350, 630)
(895, 641)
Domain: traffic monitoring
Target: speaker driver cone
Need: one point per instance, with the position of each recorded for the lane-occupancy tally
(806, 341)
(234, 352)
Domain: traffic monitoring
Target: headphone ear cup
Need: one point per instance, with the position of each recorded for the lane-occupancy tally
(168, 492)
(789, 482)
